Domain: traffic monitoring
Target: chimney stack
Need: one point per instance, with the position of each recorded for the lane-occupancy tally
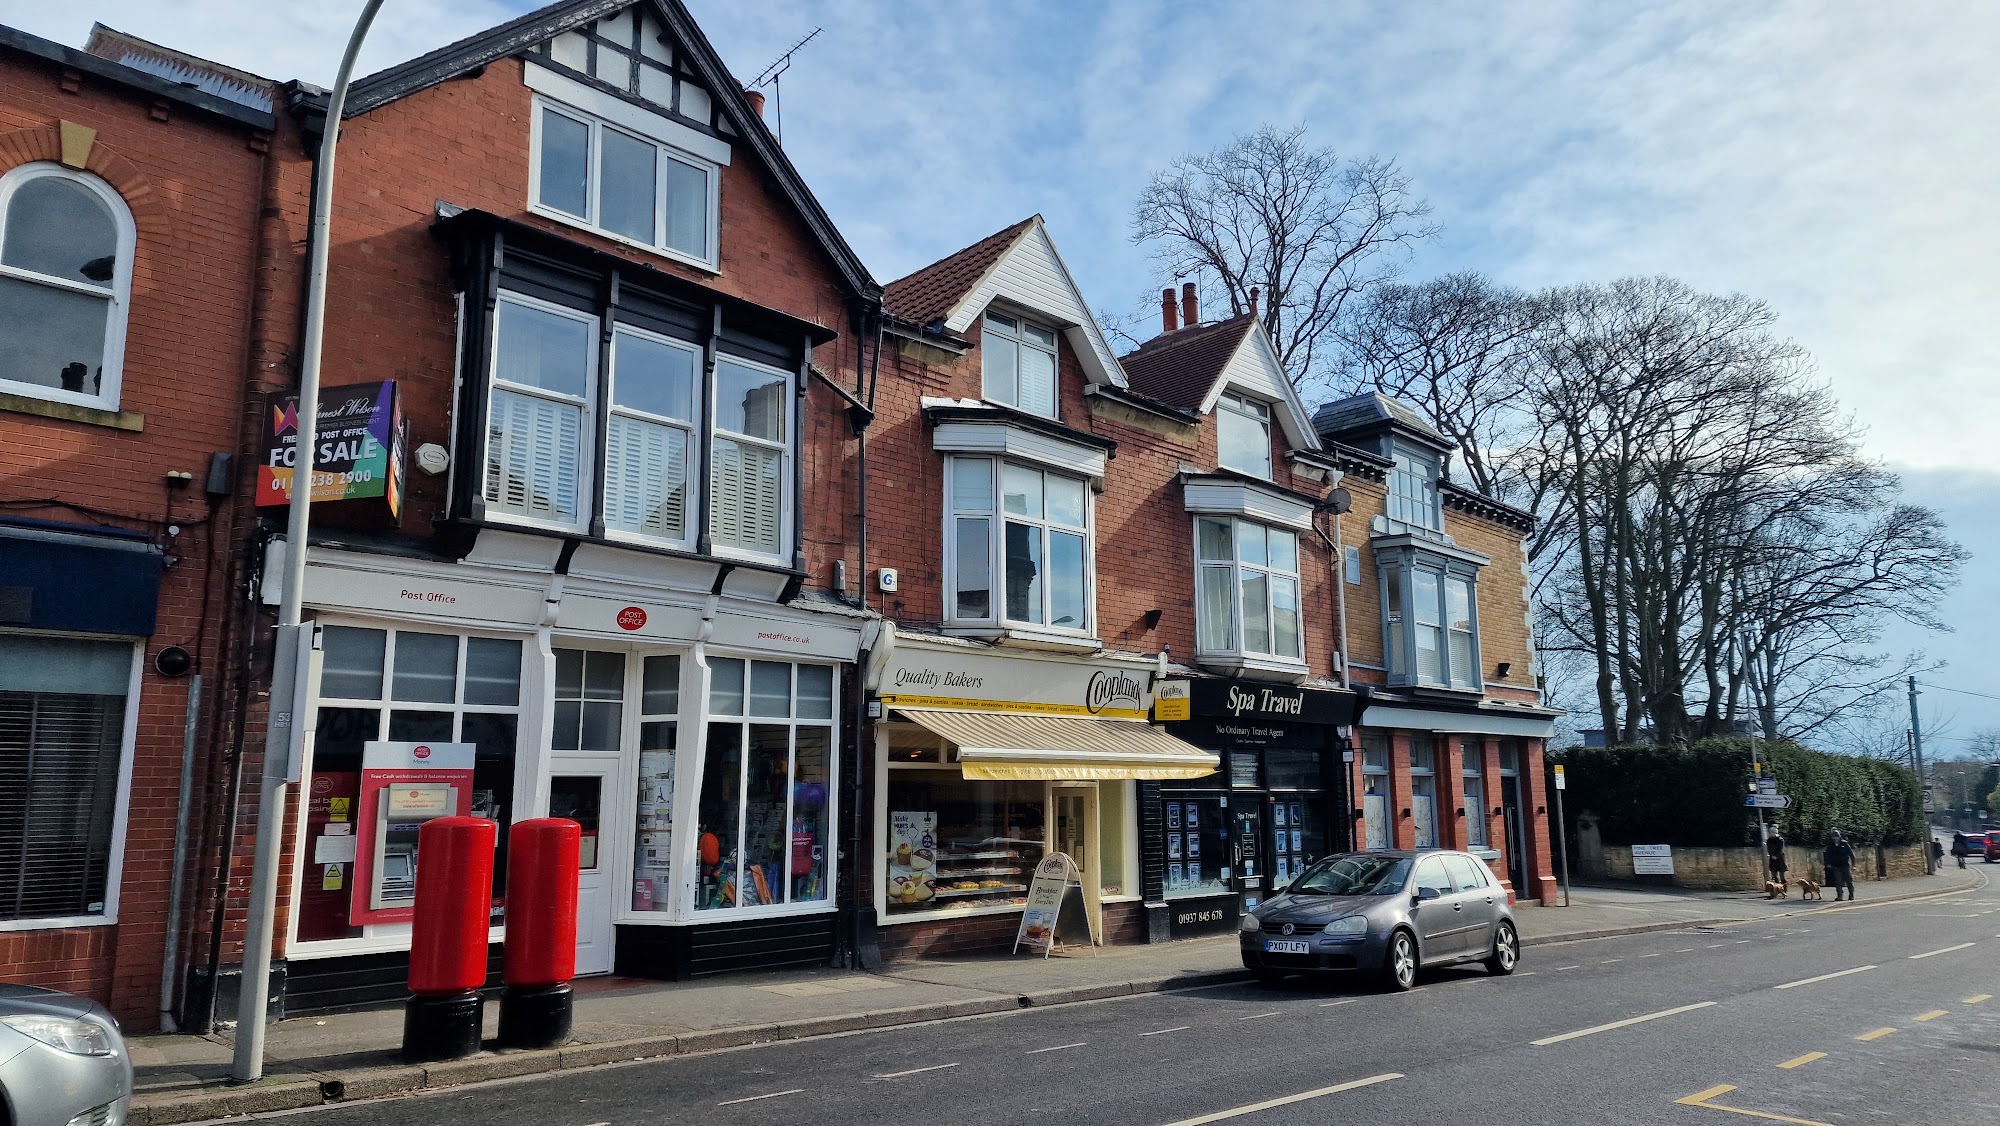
(1253, 302)
(756, 98)
(1167, 311)
(1190, 312)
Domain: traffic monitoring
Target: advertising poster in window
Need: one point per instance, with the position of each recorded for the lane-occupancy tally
(912, 858)
(330, 855)
(651, 879)
(360, 446)
(403, 785)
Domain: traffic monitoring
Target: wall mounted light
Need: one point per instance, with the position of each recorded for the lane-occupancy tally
(1406, 813)
(1152, 619)
(1358, 815)
(1501, 670)
(1497, 811)
(1540, 810)
(1461, 811)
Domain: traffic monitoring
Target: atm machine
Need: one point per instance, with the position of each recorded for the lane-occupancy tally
(403, 785)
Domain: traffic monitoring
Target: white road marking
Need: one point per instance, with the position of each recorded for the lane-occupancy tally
(1608, 961)
(1685, 950)
(1935, 953)
(1302, 1096)
(916, 1071)
(1057, 1048)
(1258, 1016)
(1177, 1028)
(1715, 946)
(1824, 977)
(751, 1099)
(1559, 969)
(1616, 1024)
(1328, 1005)
(1652, 955)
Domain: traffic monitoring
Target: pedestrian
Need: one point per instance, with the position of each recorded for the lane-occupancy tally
(1839, 861)
(1937, 856)
(1774, 849)
(1959, 848)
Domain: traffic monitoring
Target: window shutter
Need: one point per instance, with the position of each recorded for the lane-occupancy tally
(747, 490)
(1462, 672)
(532, 450)
(646, 478)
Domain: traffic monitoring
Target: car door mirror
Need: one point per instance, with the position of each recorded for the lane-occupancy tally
(1426, 894)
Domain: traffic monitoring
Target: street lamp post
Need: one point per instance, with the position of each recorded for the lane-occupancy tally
(284, 729)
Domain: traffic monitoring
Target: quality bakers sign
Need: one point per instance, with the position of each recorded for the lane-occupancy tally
(982, 682)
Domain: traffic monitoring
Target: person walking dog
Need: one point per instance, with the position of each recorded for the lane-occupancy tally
(1774, 850)
(1839, 861)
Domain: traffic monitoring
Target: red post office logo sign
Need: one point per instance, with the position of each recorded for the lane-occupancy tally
(631, 617)
(420, 753)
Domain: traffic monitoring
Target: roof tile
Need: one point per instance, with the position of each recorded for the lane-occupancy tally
(930, 294)
(1180, 368)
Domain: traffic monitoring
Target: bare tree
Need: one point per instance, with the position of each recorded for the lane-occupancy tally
(1268, 211)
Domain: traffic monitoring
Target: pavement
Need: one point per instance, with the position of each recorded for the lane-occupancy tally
(347, 1058)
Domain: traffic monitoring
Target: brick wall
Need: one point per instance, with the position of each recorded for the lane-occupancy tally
(1742, 869)
(191, 182)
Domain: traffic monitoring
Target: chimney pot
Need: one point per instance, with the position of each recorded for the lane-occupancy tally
(756, 98)
(1253, 301)
(1168, 311)
(1190, 312)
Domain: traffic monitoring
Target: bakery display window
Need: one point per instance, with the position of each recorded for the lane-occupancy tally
(1198, 860)
(766, 784)
(957, 844)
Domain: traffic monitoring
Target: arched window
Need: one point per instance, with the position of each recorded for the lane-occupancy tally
(65, 281)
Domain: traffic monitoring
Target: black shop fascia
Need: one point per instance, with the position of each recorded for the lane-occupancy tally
(1212, 849)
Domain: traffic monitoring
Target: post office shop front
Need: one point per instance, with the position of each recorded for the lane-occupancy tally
(1217, 846)
(703, 772)
(985, 762)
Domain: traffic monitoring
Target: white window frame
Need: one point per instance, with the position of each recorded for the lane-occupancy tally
(664, 151)
(587, 436)
(1020, 340)
(788, 448)
(114, 875)
(695, 509)
(1256, 413)
(1416, 496)
(1237, 568)
(1398, 585)
(997, 549)
(119, 292)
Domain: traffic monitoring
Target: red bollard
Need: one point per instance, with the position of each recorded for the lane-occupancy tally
(442, 1019)
(540, 953)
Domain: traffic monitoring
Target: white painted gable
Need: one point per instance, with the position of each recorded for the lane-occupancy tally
(1255, 371)
(1032, 275)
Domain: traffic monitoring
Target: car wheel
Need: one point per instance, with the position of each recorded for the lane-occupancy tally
(1506, 950)
(1399, 963)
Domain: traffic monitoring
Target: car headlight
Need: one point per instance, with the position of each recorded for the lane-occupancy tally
(1250, 925)
(1351, 925)
(79, 1037)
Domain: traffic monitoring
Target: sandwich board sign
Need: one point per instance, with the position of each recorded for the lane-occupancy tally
(1054, 877)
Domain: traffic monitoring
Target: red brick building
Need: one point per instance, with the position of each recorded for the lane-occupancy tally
(129, 190)
(594, 320)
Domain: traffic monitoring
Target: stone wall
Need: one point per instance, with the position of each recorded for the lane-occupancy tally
(1742, 869)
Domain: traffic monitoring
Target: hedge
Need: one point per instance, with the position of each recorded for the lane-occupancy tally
(1691, 796)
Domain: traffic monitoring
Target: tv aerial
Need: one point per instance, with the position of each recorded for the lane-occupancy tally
(771, 76)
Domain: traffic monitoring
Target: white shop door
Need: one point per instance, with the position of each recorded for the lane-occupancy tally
(581, 793)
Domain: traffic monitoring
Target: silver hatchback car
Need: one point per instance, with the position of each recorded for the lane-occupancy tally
(1386, 913)
(62, 1061)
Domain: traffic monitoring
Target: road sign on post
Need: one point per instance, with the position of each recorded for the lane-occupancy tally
(1768, 801)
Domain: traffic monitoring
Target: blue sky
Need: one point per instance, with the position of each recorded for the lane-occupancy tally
(1834, 157)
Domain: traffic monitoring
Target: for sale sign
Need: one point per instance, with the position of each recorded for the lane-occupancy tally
(358, 452)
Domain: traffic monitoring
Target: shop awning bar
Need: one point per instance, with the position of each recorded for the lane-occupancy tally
(1060, 748)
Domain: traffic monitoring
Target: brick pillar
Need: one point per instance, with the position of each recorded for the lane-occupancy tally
(1402, 829)
(1534, 794)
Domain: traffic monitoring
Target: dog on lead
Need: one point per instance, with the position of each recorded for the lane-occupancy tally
(1808, 889)
(1777, 889)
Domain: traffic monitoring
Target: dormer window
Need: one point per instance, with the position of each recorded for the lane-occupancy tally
(1019, 364)
(1243, 435)
(1413, 487)
(619, 183)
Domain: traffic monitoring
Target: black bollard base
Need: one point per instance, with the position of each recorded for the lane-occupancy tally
(442, 1028)
(535, 1018)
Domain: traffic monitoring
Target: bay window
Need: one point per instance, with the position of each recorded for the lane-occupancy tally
(1413, 488)
(1018, 359)
(543, 444)
(1248, 589)
(1430, 630)
(591, 173)
(1026, 530)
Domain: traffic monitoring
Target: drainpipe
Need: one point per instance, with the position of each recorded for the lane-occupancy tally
(172, 955)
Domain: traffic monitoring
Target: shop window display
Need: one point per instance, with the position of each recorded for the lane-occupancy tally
(766, 779)
(401, 685)
(956, 844)
(659, 704)
(1198, 860)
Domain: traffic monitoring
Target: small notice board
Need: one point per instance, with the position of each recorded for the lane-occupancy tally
(1652, 860)
(1044, 924)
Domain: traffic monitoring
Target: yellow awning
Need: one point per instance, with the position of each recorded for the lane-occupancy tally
(1061, 748)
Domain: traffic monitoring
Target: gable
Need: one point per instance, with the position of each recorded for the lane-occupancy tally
(1031, 275)
(1254, 370)
(631, 51)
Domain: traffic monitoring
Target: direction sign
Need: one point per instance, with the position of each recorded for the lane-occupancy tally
(1768, 801)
